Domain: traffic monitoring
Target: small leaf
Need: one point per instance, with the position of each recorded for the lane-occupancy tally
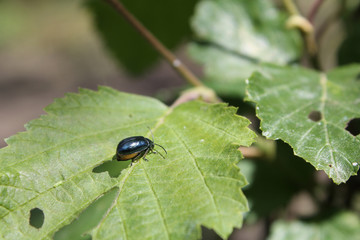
(244, 34)
(342, 225)
(51, 168)
(310, 111)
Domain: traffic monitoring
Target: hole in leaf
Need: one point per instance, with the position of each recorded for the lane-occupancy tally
(87, 219)
(330, 165)
(353, 126)
(36, 218)
(315, 116)
(113, 167)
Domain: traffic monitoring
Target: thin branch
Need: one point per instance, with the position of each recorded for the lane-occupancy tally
(251, 152)
(168, 55)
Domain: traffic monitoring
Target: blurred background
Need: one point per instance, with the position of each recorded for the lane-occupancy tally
(48, 48)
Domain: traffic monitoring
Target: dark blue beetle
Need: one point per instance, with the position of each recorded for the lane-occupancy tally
(134, 148)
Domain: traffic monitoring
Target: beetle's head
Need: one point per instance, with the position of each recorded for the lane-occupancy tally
(151, 144)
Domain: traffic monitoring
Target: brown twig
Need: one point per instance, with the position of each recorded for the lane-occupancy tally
(251, 152)
(168, 55)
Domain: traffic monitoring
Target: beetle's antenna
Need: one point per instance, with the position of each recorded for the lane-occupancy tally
(161, 147)
(152, 135)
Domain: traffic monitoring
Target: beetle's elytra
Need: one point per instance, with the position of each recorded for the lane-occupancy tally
(134, 148)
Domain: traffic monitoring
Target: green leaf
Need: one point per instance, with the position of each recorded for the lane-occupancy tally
(342, 225)
(310, 111)
(167, 20)
(51, 167)
(243, 34)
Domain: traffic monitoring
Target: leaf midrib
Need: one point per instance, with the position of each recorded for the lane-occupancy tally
(76, 139)
(323, 82)
(160, 121)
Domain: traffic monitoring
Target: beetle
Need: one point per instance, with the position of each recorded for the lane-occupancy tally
(134, 148)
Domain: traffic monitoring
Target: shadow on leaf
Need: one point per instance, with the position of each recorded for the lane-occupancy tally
(113, 167)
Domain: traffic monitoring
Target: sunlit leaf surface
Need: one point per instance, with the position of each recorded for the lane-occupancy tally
(50, 167)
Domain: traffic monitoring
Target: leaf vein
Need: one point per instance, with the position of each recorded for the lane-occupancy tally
(302, 139)
(323, 83)
(343, 106)
(290, 114)
(49, 189)
(219, 129)
(77, 138)
(26, 189)
(279, 87)
(199, 171)
(158, 204)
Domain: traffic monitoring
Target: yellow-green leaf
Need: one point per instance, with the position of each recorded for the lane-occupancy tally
(49, 168)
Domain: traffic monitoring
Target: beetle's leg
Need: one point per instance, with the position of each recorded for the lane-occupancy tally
(158, 153)
(145, 153)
